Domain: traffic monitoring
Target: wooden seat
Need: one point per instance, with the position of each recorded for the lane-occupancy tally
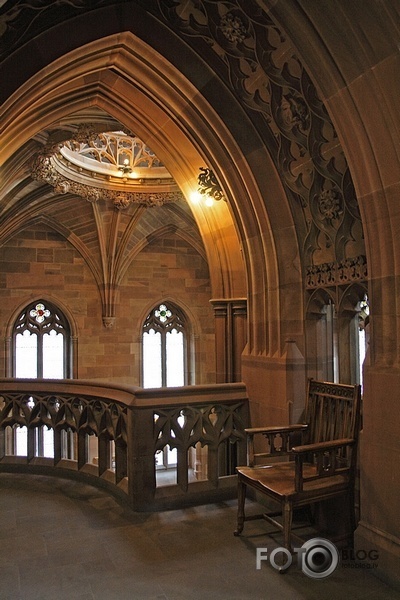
(321, 466)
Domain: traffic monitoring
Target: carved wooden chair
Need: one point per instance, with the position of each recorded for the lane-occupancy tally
(320, 467)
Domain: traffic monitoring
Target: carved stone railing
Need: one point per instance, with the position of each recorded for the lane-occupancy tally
(113, 436)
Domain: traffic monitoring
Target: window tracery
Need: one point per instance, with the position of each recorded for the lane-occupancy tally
(164, 347)
(40, 338)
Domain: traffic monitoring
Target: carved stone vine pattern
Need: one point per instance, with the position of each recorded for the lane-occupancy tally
(27, 18)
(330, 204)
(268, 78)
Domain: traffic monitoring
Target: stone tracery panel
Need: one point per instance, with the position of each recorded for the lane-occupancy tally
(268, 78)
(80, 414)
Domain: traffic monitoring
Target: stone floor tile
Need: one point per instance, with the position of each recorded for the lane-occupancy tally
(80, 544)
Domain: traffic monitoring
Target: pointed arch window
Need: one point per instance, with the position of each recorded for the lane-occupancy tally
(41, 339)
(164, 347)
(41, 349)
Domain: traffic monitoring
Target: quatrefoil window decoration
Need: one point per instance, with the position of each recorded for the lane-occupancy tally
(162, 313)
(40, 313)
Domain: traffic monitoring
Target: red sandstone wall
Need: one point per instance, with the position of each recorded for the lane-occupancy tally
(39, 262)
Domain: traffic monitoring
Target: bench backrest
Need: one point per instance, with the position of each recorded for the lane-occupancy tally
(332, 411)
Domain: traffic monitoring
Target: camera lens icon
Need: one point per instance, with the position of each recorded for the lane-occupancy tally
(319, 558)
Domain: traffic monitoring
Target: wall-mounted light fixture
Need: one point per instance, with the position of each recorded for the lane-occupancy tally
(209, 187)
(125, 167)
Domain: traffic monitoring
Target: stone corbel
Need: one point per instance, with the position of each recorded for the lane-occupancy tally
(108, 321)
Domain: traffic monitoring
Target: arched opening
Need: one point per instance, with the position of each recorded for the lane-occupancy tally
(353, 332)
(41, 343)
(41, 349)
(165, 353)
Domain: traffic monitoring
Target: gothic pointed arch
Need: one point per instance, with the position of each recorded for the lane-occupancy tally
(41, 343)
(165, 346)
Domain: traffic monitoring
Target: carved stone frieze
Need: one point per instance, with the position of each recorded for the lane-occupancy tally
(294, 113)
(50, 166)
(85, 133)
(348, 270)
(22, 20)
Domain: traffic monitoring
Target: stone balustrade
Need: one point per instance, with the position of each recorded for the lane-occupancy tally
(154, 448)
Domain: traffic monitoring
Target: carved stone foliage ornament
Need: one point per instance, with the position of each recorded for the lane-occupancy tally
(233, 28)
(22, 20)
(349, 270)
(252, 53)
(330, 204)
(115, 167)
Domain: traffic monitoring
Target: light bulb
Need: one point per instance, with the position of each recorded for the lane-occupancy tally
(195, 197)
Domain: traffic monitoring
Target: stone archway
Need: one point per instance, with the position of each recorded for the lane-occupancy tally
(237, 234)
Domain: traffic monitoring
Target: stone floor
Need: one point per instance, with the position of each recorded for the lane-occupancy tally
(61, 540)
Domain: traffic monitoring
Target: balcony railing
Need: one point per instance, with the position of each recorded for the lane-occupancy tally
(155, 448)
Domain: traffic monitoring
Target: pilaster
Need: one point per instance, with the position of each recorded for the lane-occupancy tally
(230, 338)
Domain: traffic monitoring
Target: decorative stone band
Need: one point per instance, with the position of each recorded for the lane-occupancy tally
(331, 274)
(46, 168)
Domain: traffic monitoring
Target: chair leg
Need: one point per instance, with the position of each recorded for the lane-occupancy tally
(287, 516)
(241, 501)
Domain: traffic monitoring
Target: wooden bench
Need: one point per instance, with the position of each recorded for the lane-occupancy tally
(321, 466)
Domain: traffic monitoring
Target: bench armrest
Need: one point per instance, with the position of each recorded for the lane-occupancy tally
(329, 459)
(279, 440)
(275, 430)
(322, 446)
